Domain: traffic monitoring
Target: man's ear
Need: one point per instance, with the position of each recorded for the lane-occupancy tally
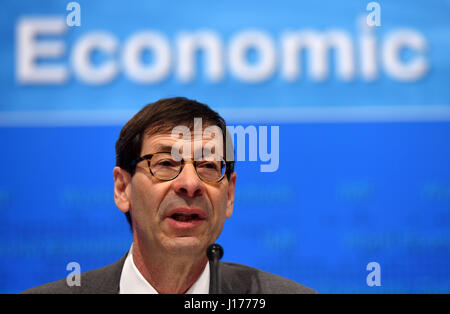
(122, 180)
(230, 201)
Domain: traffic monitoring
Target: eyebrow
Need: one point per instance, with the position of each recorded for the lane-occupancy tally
(163, 148)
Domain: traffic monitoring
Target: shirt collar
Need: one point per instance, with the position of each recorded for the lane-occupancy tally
(132, 281)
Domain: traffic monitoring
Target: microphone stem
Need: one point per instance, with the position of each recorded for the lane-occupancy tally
(214, 254)
(215, 276)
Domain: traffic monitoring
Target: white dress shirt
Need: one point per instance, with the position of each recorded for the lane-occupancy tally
(132, 281)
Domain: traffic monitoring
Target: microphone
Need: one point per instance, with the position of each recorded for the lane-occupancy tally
(215, 253)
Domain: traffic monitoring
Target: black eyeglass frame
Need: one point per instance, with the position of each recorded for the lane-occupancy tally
(228, 167)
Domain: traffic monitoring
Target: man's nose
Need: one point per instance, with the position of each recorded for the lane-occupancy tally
(188, 183)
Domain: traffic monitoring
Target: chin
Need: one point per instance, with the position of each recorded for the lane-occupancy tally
(186, 246)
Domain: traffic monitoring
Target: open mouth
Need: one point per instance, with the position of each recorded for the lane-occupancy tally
(185, 217)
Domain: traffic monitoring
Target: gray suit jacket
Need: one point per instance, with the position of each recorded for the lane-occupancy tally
(236, 279)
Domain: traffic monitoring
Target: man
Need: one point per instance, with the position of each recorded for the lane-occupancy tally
(175, 182)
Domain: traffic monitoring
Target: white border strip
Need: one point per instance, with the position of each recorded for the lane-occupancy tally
(339, 114)
(311, 114)
(65, 118)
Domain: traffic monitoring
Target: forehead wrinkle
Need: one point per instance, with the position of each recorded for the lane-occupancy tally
(164, 142)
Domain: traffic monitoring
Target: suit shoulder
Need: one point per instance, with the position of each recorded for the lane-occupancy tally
(55, 287)
(237, 276)
(104, 280)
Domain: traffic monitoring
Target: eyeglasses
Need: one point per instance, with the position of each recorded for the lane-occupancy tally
(164, 167)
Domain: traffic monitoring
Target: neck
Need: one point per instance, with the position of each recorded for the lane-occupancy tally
(168, 274)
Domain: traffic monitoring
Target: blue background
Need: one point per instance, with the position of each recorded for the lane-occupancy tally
(368, 186)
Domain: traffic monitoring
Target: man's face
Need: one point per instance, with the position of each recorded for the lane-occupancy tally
(181, 216)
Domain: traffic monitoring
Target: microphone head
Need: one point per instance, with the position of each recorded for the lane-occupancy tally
(214, 251)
